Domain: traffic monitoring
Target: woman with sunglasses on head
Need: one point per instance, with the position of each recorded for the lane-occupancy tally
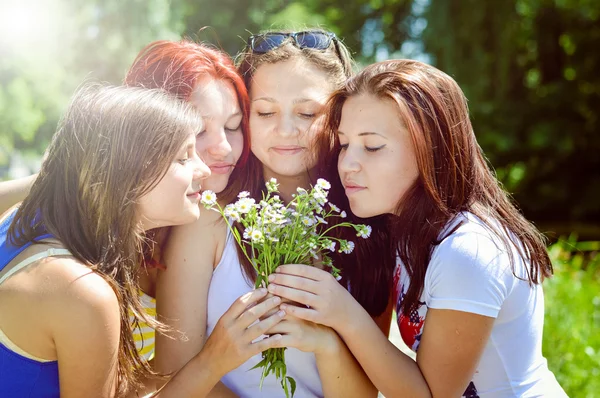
(289, 76)
(468, 282)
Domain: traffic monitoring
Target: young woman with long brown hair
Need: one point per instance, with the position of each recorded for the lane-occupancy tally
(206, 78)
(289, 76)
(122, 162)
(467, 285)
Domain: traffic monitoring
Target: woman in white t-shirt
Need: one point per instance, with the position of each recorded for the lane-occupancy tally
(467, 284)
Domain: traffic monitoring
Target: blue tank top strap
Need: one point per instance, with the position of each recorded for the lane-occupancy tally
(8, 251)
(22, 377)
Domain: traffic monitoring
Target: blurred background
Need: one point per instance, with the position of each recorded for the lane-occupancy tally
(530, 69)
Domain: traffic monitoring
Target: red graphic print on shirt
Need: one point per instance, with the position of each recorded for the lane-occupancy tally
(411, 325)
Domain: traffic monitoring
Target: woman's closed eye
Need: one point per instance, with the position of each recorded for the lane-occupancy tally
(374, 149)
(343, 147)
(265, 114)
(233, 130)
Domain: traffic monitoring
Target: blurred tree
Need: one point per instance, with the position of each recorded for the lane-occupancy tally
(529, 69)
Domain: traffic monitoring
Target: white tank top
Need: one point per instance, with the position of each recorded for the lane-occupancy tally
(227, 285)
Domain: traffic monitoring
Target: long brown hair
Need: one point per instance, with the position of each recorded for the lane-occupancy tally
(335, 61)
(454, 176)
(113, 145)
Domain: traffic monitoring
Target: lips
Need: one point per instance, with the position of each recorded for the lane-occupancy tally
(194, 195)
(287, 149)
(220, 168)
(352, 187)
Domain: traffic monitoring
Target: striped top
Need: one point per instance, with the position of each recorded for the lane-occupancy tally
(144, 334)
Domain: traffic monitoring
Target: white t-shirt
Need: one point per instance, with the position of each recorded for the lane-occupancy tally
(470, 271)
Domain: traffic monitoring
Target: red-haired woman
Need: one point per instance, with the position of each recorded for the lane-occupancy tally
(207, 78)
(469, 265)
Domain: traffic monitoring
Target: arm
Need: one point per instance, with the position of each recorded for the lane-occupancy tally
(85, 324)
(450, 348)
(182, 293)
(229, 345)
(340, 374)
(14, 191)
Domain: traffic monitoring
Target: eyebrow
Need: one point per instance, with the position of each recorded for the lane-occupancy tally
(296, 101)
(365, 133)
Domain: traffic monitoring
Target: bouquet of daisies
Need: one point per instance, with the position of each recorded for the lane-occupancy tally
(275, 233)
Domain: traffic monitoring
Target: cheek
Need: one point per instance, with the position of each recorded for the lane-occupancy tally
(236, 141)
(315, 127)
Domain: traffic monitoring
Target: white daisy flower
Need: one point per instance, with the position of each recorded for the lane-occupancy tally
(343, 214)
(308, 221)
(209, 198)
(243, 194)
(321, 220)
(244, 205)
(328, 244)
(323, 184)
(228, 210)
(256, 236)
(364, 231)
(334, 207)
(346, 247)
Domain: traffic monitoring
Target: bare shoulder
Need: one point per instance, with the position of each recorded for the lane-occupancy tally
(75, 293)
(201, 240)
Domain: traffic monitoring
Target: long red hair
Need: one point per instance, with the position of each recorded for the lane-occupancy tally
(454, 177)
(176, 66)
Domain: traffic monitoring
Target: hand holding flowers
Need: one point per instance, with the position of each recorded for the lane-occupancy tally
(273, 233)
(326, 301)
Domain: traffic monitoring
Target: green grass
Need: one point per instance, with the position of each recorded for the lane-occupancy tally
(572, 320)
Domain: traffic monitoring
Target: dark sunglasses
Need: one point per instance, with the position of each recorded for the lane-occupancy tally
(265, 42)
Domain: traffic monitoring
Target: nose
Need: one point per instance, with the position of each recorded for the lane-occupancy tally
(348, 161)
(201, 170)
(218, 146)
(286, 126)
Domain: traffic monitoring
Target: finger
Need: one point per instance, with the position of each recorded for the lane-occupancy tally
(283, 327)
(285, 341)
(308, 314)
(299, 296)
(296, 282)
(257, 311)
(262, 345)
(239, 305)
(258, 329)
(303, 270)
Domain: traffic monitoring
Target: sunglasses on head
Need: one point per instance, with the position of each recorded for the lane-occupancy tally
(265, 42)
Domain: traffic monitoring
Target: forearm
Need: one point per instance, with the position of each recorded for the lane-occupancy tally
(391, 371)
(13, 192)
(341, 375)
(197, 379)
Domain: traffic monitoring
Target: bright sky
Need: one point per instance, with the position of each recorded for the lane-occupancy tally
(27, 24)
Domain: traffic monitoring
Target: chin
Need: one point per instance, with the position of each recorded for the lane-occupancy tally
(363, 211)
(217, 185)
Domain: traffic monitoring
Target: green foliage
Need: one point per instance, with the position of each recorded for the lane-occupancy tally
(571, 340)
(528, 67)
(529, 70)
